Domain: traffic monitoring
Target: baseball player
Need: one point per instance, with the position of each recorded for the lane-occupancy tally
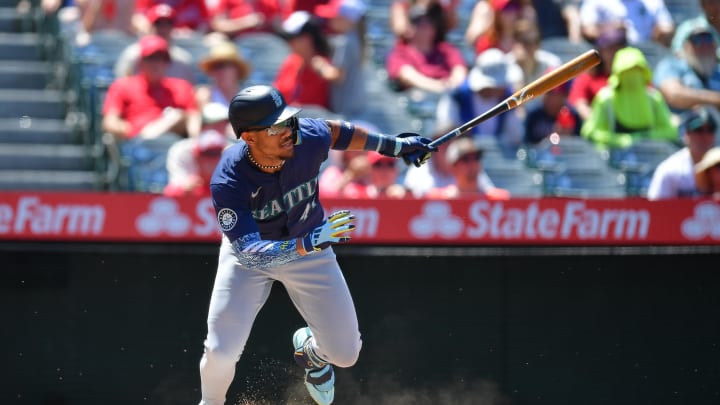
(265, 193)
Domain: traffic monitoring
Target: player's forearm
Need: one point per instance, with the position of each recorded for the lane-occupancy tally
(347, 136)
(256, 253)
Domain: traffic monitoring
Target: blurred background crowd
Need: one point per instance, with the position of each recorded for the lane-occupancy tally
(141, 90)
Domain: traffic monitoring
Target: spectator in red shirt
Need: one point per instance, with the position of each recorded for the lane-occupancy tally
(150, 104)
(192, 15)
(305, 75)
(425, 60)
(586, 85)
(236, 17)
(465, 159)
(348, 177)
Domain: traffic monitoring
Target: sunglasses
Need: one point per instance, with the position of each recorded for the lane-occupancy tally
(470, 157)
(221, 65)
(705, 130)
(279, 128)
(702, 39)
(384, 164)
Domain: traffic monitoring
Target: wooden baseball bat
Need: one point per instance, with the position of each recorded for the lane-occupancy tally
(536, 88)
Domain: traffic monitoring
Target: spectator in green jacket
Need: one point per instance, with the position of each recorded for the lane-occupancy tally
(626, 109)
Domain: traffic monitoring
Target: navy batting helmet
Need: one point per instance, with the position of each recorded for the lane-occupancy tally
(258, 107)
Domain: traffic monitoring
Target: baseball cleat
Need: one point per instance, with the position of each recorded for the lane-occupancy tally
(319, 375)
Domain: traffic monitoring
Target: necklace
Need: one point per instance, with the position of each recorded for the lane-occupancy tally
(264, 167)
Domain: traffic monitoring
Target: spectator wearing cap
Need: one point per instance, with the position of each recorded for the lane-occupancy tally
(553, 115)
(488, 83)
(227, 71)
(424, 60)
(191, 16)
(234, 18)
(674, 176)
(709, 17)
(627, 109)
(492, 23)
(691, 76)
(345, 23)
(383, 180)
(305, 75)
(464, 156)
(437, 172)
(707, 174)
(149, 103)
(587, 84)
(644, 20)
(348, 177)
(191, 162)
(162, 19)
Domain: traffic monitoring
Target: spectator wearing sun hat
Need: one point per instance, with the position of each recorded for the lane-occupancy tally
(226, 70)
(162, 19)
(343, 19)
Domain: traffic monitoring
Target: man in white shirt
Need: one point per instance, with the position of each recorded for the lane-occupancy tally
(675, 176)
(644, 20)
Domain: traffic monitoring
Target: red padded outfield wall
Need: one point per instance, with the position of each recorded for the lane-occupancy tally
(133, 217)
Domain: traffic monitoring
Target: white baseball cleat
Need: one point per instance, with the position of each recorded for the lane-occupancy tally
(319, 375)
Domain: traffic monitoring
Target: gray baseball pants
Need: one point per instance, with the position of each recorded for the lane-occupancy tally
(316, 287)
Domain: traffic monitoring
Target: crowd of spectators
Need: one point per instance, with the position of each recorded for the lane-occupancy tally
(464, 57)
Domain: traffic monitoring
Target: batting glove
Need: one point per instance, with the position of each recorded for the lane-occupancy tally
(335, 229)
(411, 147)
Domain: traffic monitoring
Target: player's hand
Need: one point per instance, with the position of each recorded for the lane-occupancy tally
(335, 229)
(413, 148)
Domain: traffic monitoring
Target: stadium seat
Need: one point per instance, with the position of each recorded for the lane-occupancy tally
(564, 48)
(592, 183)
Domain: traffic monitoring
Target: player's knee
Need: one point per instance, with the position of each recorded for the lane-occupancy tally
(346, 355)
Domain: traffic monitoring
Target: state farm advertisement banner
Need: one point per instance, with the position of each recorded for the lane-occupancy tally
(130, 217)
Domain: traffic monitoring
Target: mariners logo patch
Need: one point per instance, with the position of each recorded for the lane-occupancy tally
(227, 219)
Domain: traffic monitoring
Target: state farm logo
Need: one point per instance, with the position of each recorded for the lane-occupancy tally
(164, 216)
(34, 216)
(704, 223)
(436, 219)
(495, 220)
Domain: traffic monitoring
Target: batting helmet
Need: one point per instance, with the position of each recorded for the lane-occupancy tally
(258, 107)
